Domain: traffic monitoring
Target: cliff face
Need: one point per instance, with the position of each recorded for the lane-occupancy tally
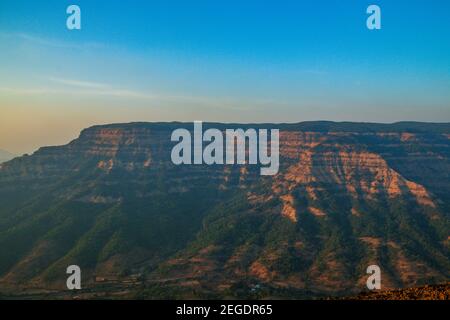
(346, 196)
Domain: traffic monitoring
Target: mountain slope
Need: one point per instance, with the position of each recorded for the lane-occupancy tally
(433, 292)
(347, 195)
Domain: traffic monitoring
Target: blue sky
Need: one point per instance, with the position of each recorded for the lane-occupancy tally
(231, 61)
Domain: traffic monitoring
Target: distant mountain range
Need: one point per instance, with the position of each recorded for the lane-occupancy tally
(347, 195)
(5, 156)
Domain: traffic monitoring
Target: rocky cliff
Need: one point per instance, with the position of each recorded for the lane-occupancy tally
(347, 195)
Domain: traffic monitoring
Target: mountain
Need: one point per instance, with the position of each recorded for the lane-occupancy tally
(432, 292)
(5, 156)
(347, 195)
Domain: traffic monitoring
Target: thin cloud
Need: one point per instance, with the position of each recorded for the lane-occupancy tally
(78, 83)
(26, 91)
(76, 87)
(103, 89)
(46, 42)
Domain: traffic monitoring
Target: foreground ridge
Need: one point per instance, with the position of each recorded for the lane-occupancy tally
(428, 292)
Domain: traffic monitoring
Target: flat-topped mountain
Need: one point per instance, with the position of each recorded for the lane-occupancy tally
(347, 195)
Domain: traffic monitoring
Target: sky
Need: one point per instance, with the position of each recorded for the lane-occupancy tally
(227, 61)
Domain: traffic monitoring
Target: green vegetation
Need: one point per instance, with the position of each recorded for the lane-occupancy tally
(122, 212)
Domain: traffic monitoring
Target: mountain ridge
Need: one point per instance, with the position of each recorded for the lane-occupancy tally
(112, 202)
(6, 155)
(320, 125)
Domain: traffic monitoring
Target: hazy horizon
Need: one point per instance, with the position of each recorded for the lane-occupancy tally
(56, 141)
